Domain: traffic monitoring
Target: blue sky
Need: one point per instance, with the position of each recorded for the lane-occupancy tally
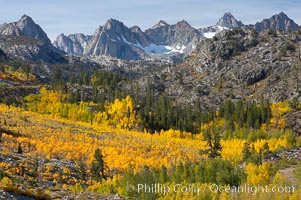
(80, 16)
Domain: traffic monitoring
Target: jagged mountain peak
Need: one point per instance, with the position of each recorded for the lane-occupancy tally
(118, 40)
(73, 43)
(278, 21)
(183, 23)
(281, 15)
(25, 27)
(26, 22)
(136, 29)
(61, 35)
(113, 21)
(113, 24)
(26, 18)
(160, 23)
(229, 21)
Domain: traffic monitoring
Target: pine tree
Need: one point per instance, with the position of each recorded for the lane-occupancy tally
(99, 166)
(213, 138)
(20, 150)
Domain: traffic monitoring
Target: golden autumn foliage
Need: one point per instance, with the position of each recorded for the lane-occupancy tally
(9, 73)
(119, 113)
(278, 110)
(258, 175)
(51, 129)
(53, 137)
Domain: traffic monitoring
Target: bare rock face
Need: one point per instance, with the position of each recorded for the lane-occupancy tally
(180, 34)
(26, 40)
(73, 43)
(162, 41)
(277, 22)
(25, 27)
(236, 64)
(117, 40)
(251, 64)
(229, 21)
(28, 49)
(226, 22)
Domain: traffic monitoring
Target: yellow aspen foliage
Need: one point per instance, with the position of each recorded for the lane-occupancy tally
(6, 182)
(296, 195)
(273, 143)
(258, 174)
(278, 110)
(279, 179)
(53, 137)
(121, 113)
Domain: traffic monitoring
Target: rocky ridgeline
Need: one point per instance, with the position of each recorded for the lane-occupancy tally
(289, 154)
(117, 40)
(236, 64)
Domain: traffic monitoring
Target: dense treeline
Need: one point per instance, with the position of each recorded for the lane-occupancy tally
(156, 111)
(161, 112)
(101, 86)
(245, 115)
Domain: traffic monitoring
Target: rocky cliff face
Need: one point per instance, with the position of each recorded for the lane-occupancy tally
(162, 41)
(73, 43)
(29, 49)
(237, 64)
(26, 40)
(277, 22)
(117, 40)
(178, 35)
(228, 21)
(25, 27)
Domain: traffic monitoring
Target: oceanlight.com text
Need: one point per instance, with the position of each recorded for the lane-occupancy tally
(158, 188)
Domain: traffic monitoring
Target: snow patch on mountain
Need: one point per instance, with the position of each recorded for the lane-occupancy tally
(213, 31)
(157, 49)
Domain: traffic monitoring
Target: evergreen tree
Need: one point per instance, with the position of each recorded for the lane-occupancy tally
(213, 138)
(20, 150)
(99, 166)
